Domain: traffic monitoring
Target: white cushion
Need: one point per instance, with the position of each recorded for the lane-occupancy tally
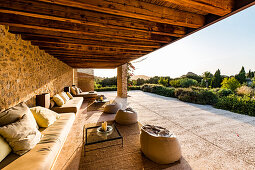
(21, 135)
(58, 100)
(64, 96)
(43, 116)
(4, 149)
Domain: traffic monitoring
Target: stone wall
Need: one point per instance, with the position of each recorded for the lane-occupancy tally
(25, 71)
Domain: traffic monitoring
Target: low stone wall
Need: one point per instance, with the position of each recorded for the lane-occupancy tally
(25, 71)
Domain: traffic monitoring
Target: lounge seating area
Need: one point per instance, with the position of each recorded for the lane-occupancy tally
(48, 49)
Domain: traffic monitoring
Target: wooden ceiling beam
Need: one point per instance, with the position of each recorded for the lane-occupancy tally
(80, 47)
(92, 54)
(51, 25)
(91, 43)
(21, 28)
(220, 8)
(95, 65)
(137, 9)
(116, 57)
(45, 38)
(95, 51)
(89, 18)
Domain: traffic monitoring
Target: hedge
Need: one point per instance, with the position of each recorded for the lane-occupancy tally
(243, 105)
(115, 88)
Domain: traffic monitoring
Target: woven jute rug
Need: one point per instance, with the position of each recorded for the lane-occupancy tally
(127, 157)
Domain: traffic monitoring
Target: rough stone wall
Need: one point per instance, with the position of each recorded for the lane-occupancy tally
(25, 71)
(122, 81)
(85, 82)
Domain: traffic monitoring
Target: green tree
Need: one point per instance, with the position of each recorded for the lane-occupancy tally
(250, 74)
(230, 83)
(163, 81)
(207, 78)
(241, 76)
(140, 81)
(217, 79)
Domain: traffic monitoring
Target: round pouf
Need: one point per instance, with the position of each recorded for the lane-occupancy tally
(158, 145)
(126, 117)
(112, 108)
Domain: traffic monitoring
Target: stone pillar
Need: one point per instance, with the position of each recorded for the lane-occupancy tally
(122, 81)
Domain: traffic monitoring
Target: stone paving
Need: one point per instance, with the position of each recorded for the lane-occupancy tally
(210, 138)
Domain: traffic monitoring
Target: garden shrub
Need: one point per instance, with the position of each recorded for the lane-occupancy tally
(106, 89)
(175, 83)
(196, 96)
(230, 83)
(186, 82)
(224, 92)
(158, 89)
(134, 88)
(245, 90)
(243, 105)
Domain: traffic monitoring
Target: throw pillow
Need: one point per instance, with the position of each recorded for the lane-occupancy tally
(73, 91)
(52, 103)
(77, 90)
(80, 91)
(15, 113)
(4, 148)
(64, 96)
(69, 95)
(21, 135)
(58, 100)
(43, 116)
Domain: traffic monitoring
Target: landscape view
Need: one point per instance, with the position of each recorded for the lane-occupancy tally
(234, 93)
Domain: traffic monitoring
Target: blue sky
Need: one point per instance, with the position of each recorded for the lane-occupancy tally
(227, 45)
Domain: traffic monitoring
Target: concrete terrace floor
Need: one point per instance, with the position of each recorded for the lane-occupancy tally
(210, 138)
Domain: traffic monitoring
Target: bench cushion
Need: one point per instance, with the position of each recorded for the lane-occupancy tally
(44, 154)
(72, 105)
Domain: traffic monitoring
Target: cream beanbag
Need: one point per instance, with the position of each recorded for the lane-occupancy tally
(112, 108)
(43, 116)
(4, 149)
(159, 145)
(126, 117)
(58, 100)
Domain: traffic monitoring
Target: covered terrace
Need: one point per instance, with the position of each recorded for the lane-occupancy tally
(42, 42)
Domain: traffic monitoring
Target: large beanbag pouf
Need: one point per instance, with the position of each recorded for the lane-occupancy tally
(159, 145)
(112, 108)
(126, 117)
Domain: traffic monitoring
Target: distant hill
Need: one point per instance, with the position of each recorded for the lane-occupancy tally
(135, 77)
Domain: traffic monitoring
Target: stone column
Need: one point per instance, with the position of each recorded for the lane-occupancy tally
(122, 81)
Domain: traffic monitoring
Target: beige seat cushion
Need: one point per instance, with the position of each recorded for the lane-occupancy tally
(58, 100)
(21, 135)
(44, 154)
(72, 105)
(4, 149)
(87, 95)
(43, 116)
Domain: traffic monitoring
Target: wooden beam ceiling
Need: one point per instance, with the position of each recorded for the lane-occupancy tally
(216, 7)
(107, 34)
(138, 10)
